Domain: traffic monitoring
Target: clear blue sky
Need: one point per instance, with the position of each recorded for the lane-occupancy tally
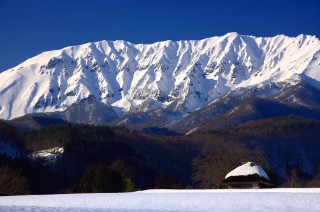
(29, 27)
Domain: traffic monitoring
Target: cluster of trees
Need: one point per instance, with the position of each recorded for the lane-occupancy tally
(13, 181)
(160, 131)
(220, 157)
(101, 178)
(166, 181)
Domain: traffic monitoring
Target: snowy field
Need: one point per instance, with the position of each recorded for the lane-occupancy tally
(171, 200)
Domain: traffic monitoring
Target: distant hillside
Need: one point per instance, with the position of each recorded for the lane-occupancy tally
(286, 147)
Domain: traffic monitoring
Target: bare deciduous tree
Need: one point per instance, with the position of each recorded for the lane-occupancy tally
(12, 183)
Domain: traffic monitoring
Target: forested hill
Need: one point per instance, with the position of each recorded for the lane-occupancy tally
(286, 147)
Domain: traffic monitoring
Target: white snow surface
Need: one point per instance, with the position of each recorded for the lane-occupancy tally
(48, 157)
(140, 77)
(171, 200)
(246, 169)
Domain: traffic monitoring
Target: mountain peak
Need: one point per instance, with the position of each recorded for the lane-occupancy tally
(232, 34)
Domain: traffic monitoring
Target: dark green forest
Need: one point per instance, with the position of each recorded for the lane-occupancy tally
(115, 159)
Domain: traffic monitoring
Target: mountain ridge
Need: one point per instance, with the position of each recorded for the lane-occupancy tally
(179, 76)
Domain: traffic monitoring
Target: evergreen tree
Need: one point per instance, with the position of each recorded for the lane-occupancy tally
(100, 178)
(164, 181)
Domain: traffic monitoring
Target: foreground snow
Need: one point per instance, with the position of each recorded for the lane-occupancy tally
(171, 200)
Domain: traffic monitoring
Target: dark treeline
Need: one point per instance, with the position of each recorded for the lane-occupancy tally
(114, 159)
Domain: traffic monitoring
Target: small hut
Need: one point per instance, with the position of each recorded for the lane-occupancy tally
(248, 175)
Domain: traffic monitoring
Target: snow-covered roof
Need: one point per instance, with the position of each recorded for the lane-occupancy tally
(249, 168)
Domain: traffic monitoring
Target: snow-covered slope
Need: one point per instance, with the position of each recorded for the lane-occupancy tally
(171, 200)
(253, 104)
(179, 75)
(47, 156)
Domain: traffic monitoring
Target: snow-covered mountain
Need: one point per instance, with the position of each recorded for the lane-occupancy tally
(178, 76)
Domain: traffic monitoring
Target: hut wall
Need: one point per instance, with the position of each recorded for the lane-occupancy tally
(241, 186)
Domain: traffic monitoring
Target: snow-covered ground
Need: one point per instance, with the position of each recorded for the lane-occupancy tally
(48, 155)
(171, 200)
